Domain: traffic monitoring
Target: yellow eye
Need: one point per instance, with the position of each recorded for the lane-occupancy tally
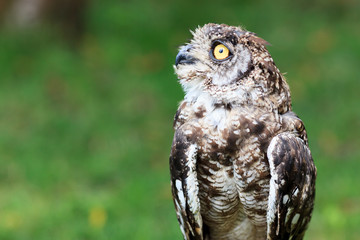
(221, 52)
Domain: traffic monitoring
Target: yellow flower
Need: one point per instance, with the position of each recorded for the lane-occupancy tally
(12, 220)
(97, 217)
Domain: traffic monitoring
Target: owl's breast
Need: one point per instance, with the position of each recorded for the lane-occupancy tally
(232, 168)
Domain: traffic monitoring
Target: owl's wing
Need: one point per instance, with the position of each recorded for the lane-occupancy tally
(184, 186)
(292, 187)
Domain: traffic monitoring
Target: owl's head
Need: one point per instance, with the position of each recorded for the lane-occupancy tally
(229, 63)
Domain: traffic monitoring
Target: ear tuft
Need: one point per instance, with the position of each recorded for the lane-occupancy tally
(258, 40)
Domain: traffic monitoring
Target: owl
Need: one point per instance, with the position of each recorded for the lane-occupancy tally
(240, 164)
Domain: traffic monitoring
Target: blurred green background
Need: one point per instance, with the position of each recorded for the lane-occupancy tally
(88, 94)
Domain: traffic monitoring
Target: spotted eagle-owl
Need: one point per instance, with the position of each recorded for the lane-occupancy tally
(240, 163)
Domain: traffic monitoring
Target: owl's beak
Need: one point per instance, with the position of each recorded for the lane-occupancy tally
(184, 56)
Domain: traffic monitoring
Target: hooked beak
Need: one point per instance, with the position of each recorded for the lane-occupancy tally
(184, 57)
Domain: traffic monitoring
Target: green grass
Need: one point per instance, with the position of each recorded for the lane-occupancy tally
(85, 133)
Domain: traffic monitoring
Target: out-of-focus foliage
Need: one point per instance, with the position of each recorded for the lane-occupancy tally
(86, 122)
